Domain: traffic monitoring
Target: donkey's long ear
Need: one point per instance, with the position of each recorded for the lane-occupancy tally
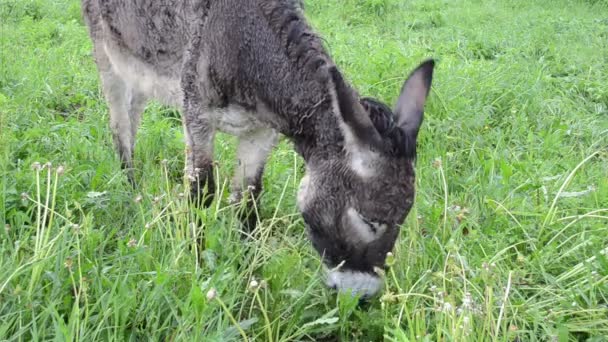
(410, 105)
(356, 124)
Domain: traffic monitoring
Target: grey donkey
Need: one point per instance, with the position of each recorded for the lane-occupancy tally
(255, 69)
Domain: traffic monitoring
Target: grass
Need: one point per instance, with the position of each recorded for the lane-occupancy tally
(507, 240)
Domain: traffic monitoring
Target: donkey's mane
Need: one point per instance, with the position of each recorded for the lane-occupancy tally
(305, 49)
(301, 45)
(396, 141)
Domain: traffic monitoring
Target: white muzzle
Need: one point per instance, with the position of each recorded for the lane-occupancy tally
(355, 283)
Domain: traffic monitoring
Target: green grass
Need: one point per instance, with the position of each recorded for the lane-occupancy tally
(507, 240)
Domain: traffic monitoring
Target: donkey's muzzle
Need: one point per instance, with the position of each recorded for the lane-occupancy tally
(354, 282)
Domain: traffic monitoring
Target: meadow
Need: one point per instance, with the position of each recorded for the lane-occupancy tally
(507, 240)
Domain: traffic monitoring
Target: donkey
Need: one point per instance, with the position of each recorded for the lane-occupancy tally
(255, 69)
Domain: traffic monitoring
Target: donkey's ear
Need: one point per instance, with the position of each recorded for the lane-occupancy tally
(355, 123)
(410, 105)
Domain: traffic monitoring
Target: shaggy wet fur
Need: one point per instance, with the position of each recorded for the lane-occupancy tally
(255, 69)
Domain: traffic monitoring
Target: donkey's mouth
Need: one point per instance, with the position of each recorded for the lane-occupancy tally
(354, 282)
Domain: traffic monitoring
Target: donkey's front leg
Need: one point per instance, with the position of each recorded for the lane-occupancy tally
(252, 152)
(199, 134)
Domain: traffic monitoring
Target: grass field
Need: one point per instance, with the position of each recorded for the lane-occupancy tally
(507, 240)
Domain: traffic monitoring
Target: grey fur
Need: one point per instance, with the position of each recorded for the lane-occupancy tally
(253, 68)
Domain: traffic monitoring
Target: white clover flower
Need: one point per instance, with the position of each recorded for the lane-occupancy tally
(211, 294)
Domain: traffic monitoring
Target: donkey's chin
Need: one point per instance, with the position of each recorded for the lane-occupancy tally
(354, 283)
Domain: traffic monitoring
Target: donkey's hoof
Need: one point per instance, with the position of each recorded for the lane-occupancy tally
(200, 197)
(235, 197)
(249, 221)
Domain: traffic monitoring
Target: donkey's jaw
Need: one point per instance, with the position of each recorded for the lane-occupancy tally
(355, 283)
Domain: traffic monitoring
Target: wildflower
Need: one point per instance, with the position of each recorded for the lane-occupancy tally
(85, 284)
(68, 264)
(148, 225)
(488, 267)
(76, 228)
(467, 301)
(253, 285)
(379, 271)
(468, 305)
(60, 170)
(132, 243)
(24, 196)
(211, 294)
(138, 199)
(390, 259)
(462, 214)
(36, 166)
(47, 165)
(437, 163)
(164, 162)
(388, 297)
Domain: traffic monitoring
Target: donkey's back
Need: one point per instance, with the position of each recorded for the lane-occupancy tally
(139, 45)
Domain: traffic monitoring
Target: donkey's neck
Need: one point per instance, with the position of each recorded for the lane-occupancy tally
(318, 135)
(295, 64)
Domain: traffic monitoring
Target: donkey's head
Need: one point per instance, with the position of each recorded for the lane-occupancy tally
(353, 203)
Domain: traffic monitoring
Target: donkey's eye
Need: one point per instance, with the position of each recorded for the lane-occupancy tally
(376, 227)
(366, 229)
